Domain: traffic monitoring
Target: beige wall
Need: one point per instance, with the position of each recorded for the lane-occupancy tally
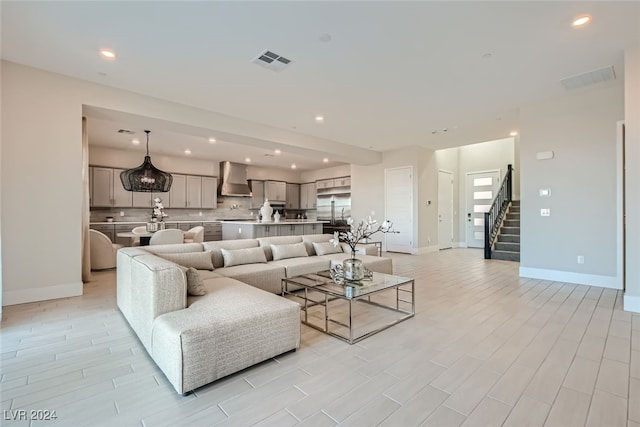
(632, 181)
(327, 173)
(580, 128)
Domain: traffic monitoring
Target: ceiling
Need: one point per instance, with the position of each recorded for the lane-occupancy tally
(383, 74)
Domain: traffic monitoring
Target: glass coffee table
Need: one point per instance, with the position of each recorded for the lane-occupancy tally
(381, 302)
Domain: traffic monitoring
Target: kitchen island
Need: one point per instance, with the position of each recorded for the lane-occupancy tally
(232, 230)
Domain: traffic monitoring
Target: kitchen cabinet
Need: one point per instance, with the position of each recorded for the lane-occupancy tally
(314, 228)
(107, 189)
(290, 230)
(275, 191)
(325, 183)
(342, 182)
(257, 193)
(212, 231)
(265, 231)
(209, 192)
(293, 196)
(308, 196)
(194, 191)
(177, 193)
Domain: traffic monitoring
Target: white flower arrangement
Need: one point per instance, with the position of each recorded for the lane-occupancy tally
(158, 210)
(361, 231)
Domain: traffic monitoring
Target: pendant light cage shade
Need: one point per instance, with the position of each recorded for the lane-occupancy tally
(146, 177)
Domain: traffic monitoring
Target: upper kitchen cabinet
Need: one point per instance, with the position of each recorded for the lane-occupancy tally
(257, 193)
(308, 196)
(194, 191)
(177, 193)
(325, 183)
(275, 191)
(342, 182)
(209, 192)
(293, 196)
(107, 189)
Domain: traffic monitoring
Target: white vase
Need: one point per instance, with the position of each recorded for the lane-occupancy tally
(265, 211)
(276, 216)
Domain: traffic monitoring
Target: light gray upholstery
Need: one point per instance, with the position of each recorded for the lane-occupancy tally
(194, 235)
(198, 339)
(168, 236)
(102, 250)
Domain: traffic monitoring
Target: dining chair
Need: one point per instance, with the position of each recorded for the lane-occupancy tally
(135, 241)
(102, 250)
(194, 235)
(165, 237)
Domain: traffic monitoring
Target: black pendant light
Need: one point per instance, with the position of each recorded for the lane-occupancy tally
(146, 177)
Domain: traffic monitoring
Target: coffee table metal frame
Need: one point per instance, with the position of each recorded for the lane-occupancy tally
(321, 282)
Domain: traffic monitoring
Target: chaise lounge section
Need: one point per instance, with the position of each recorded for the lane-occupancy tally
(239, 321)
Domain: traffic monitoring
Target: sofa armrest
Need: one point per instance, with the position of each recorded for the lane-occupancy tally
(156, 286)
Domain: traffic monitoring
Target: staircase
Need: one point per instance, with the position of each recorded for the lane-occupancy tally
(507, 246)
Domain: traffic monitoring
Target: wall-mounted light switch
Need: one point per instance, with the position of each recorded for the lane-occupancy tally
(545, 212)
(545, 192)
(121, 213)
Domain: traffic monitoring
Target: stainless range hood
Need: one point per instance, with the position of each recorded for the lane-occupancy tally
(233, 180)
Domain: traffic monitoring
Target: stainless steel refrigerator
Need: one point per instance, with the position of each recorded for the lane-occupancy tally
(333, 207)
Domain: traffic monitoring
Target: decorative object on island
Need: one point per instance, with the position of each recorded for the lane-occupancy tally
(157, 216)
(266, 210)
(276, 217)
(146, 177)
(353, 268)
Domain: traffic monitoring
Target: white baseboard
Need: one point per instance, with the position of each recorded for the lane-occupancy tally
(632, 303)
(611, 282)
(460, 245)
(22, 296)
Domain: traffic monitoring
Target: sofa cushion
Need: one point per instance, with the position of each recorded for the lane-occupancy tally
(217, 246)
(267, 276)
(325, 248)
(198, 260)
(293, 250)
(195, 285)
(266, 242)
(243, 256)
(303, 265)
(308, 240)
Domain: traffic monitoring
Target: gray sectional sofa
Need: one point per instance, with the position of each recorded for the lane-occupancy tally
(240, 320)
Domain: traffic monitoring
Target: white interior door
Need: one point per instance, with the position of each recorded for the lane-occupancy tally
(445, 209)
(399, 208)
(480, 191)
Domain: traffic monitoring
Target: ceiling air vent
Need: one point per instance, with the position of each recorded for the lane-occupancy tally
(589, 78)
(272, 61)
(126, 131)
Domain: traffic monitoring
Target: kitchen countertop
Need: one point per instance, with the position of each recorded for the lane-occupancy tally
(144, 222)
(287, 221)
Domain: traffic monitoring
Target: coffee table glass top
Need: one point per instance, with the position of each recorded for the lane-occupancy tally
(322, 281)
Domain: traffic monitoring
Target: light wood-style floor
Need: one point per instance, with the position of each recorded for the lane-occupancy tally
(486, 348)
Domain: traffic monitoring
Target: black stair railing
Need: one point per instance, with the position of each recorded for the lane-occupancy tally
(493, 218)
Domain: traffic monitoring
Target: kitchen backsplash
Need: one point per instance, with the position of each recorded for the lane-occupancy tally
(228, 208)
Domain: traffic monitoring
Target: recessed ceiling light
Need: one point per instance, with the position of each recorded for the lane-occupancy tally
(212, 140)
(247, 159)
(187, 151)
(581, 21)
(325, 160)
(293, 166)
(107, 53)
(135, 141)
(276, 151)
(514, 133)
(319, 119)
(487, 55)
(325, 38)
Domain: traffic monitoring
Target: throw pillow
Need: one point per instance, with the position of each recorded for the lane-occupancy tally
(293, 250)
(325, 248)
(195, 285)
(243, 256)
(198, 260)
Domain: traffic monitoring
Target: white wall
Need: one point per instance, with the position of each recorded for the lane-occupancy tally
(449, 160)
(41, 171)
(327, 173)
(632, 181)
(580, 129)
